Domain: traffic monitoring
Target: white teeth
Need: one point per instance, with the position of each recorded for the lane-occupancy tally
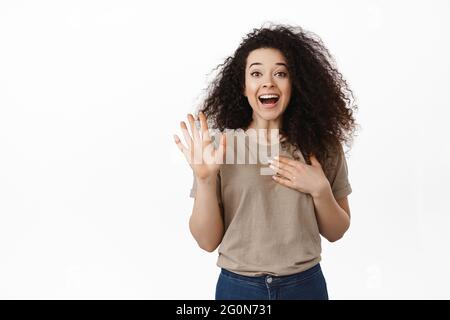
(268, 96)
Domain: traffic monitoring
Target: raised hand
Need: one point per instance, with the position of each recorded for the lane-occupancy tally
(200, 153)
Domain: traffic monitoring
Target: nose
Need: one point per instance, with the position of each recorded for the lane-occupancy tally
(268, 83)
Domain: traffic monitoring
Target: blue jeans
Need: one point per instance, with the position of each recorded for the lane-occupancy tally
(306, 285)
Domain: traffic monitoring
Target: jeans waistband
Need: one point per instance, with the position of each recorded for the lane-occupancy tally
(274, 280)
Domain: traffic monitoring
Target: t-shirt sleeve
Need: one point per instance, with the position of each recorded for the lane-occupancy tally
(340, 185)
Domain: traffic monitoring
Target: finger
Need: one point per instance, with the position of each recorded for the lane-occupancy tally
(221, 149)
(290, 162)
(283, 181)
(204, 127)
(182, 147)
(194, 130)
(283, 166)
(314, 161)
(187, 136)
(281, 171)
(179, 143)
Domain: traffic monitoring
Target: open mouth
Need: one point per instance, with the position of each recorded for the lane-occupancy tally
(269, 99)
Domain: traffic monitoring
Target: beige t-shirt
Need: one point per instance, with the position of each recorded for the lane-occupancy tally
(269, 228)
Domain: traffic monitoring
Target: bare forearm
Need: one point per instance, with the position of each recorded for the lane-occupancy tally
(333, 221)
(206, 222)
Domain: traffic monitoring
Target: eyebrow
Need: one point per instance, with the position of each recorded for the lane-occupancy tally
(259, 63)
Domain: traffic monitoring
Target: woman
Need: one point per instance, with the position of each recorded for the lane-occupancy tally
(268, 226)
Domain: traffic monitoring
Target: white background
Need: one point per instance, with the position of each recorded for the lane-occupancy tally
(94, 193)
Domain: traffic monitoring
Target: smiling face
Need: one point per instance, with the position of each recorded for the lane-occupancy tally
(267, 87)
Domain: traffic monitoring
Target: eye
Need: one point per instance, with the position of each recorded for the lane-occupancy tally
(284, 74)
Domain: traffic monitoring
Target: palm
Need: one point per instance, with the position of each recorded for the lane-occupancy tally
(204, 159)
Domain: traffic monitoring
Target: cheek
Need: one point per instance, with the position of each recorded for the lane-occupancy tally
(288, 93)
(287, 89)
(251, 88)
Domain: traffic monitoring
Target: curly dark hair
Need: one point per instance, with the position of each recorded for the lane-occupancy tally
(319, 116)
